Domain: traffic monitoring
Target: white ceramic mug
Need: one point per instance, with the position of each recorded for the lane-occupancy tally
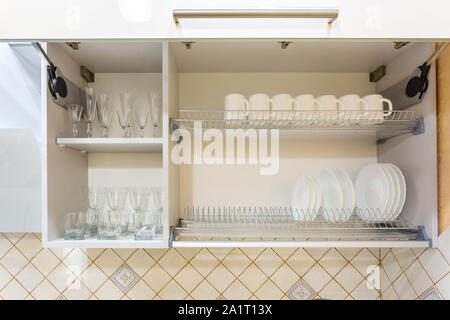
(260, 106)
(237, 104)
(306, 103)
(375, 103)
(283, 103)
(352, 102)
(327, 105)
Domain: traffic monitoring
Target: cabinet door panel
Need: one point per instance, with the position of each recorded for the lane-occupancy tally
(147, 19)
(20, 139)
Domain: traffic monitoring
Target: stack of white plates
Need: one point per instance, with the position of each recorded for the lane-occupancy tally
(331, 192)
(380, 192)
(306, 198)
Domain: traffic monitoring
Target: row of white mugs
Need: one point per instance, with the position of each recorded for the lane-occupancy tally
(307, 102)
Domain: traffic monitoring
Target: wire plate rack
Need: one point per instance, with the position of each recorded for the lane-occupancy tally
(379, 122)
(276, 222)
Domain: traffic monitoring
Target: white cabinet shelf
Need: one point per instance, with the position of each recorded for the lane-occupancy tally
(124, 145)
(94, 243)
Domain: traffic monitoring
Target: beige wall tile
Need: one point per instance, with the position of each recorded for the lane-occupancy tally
(93, 277)
(108, 262)
(285, 277)
(5, 277)
(444, 287)
(13, 261)
(220, 277)
(434, 264)
(332, 261)
(268, 261)
(172, 262)
(156, 278)
(45, 291)
(13, 291)
(349, 278)
(236, 261)
(140, 261)
(317, 277)
(141, 291)
(237, 291)
(204, 262)
(300, 261)
(205, 291)
(188, 277)
(269, 291)
(29, 245)
(29, 277)
(333, 291)
(5, 245)
(404, 289)
(109, 291)
(253, 277)
(418, 277)
(172, 291)
(77, 291)
(61, 277)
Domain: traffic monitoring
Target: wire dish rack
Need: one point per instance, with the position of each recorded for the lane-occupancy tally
(279, 222)
(384, 124)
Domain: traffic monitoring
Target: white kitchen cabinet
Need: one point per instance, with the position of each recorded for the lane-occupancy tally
(193, 83)
(149, 19)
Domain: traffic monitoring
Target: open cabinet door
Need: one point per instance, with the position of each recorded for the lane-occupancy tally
(20, 138)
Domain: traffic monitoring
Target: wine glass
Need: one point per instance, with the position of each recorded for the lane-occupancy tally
(96, 205)
(117, 198)
(124, 114)
(74, 111)
(142, 113)
(139, 198)
(158, 203)
(104, 113)
(155, 103)
(91, 107)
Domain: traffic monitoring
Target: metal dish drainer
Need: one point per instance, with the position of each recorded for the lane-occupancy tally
(385, 125)
(280, 222)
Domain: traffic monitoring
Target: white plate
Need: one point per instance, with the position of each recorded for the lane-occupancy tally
(396, 191)
(318, 201)
(348, 192)
(301, 198)
(402, 190)
(372, 192)
(391, 194)
(332, 198)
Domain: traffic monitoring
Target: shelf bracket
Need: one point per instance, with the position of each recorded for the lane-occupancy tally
(418, 129)
(173, 126)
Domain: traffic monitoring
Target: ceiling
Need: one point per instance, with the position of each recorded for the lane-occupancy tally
(267, 56)
(118, 57)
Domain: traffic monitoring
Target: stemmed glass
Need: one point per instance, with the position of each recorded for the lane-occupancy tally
(117, 198)
(91, 107)
(155, 103)
(124, 114)
(96, 205)
(139, 198)
(158, 202)
(142, 113)
(74, 111)
(104, 113)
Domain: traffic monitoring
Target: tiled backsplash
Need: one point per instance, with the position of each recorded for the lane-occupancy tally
(29, 272)
(417, 273)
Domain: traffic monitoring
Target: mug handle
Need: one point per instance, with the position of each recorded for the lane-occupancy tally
(389, 102)
(246, 107)
(294, 103)
(339, 102)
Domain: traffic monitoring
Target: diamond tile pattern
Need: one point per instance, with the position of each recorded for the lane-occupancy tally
(27, 271)
(419, 273)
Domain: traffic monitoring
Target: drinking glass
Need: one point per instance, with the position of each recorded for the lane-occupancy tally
(96, 205)
(91, 107)
(74, 225)
(109, 227)
(117, 198)
(91, 222)
(124, 222)
(124, 114)
(104, 113)
(155, 103)
(158, 202)
(142, 113)
(74, 111)
(139, 198)
(144, 225)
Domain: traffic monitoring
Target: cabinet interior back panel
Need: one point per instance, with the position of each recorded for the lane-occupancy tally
(126, 169)
(243, 184)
